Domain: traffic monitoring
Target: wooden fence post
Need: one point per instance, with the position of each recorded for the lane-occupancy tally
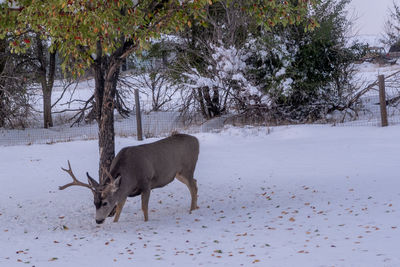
(382, 101)
(138, 117)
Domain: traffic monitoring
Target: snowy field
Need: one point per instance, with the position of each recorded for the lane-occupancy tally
(297, 196)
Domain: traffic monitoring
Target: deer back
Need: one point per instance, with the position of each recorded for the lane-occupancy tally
(156, 164)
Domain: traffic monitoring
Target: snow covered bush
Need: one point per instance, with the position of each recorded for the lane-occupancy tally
(285, 74)
(306, 74)
(212, 62)
(224, 84)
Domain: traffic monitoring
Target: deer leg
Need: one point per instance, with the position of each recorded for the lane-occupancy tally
(120, 205)
(193, 193)
(192, 185)
(145, 204)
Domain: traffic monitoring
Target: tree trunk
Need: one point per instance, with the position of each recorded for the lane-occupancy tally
(215, 102)
(3, 45)
(212, 104)
(107, 70)
(99, 81)
(47, 89)
(47, 82)
(106, 132)
(202, 105)
(106, 125)
(47, 118)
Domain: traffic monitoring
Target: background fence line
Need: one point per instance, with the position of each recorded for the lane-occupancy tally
(379, 107)
(163, 123)
(154, 124)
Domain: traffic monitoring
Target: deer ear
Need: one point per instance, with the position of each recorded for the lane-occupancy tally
(117, 183)
(92, 182)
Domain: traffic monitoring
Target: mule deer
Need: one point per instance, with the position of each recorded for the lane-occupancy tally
(138, 169)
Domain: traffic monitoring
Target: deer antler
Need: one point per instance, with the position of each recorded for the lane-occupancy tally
(75, 181)
(108, 174)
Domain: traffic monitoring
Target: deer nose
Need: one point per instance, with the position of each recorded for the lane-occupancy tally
(99, 221)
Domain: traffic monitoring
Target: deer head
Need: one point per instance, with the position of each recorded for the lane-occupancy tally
(105, 197)
(104, 194)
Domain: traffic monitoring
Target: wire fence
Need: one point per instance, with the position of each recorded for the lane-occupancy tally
(369, 110)
(163, 123)
(153, 125)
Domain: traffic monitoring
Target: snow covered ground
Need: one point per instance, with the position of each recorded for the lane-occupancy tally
(284, 196)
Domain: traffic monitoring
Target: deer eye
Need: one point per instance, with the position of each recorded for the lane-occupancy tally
(104, 204)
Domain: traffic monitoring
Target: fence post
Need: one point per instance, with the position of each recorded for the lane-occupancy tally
(382, 100)
(138, 117)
